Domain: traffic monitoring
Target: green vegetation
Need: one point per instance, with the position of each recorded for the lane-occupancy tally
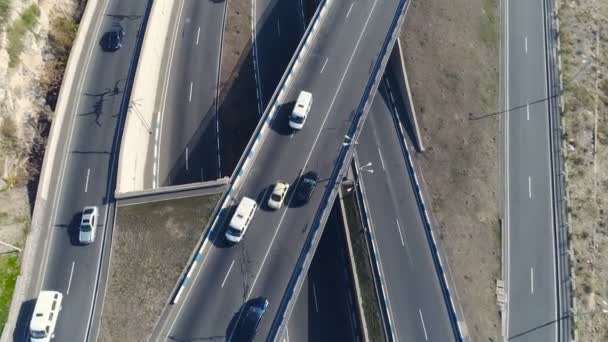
(27, 21)
(9, 270)
(62, 35)
(5, 10)
(371, 305)
(488, 29)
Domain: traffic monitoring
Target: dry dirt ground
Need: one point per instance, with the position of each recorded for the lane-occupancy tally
(584, 56)
(151, 246)
(450, 49)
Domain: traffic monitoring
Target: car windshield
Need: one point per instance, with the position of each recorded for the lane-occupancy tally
(38, 333)
(233, 232)
(297, 119)
(275, 197)
(85, 228)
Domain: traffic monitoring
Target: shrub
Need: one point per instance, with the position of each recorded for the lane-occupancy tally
(28, 19)
(5, 10)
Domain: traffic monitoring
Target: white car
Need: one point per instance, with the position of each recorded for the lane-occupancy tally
(88, 225)
(279, 192)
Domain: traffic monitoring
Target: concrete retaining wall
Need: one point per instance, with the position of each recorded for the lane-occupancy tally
(140, 121)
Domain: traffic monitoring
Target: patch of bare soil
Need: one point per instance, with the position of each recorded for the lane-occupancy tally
(450, 49)
(151, 246)
(238, 110)
(584, 55)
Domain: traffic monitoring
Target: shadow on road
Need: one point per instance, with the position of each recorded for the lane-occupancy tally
(23, 321)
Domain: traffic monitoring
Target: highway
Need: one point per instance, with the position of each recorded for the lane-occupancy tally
(188, 127)
(416, 305)
(85, 174)
(279, 26)
(337, 66)
(411, 297)
(325, 308)
(531, 273)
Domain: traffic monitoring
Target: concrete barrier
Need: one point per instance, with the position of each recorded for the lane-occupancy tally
(48, 173)
(141, 121)
(257, 137)
(398, 68)
(353, 270)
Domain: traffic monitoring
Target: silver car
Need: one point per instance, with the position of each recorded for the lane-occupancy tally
(88, 225)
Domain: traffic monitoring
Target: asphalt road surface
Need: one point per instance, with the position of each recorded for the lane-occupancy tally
(325, 308)
(279, 25)
(531, 296)
(416, 305)
(86, 174)
(336, 71)
(188, 144)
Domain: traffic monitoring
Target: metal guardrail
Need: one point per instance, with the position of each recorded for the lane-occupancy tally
(554, 91)
(340, 169)
(257, 138)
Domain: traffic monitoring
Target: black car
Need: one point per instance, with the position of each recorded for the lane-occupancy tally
(249, 320)
(112, 40)
(307, 186)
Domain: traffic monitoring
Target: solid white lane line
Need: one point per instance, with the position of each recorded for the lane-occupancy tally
(528, 111)
(314, 144)
(530, 187)
(426, 337)
(70, 280)
(324, 64)
(314, 294)
(531, 280)
(349, 9)
(190, 97)
(227, 273)
(286, 334)
(400, 234)
(526, 44)
(278, 27)
(381, 159)
(186, 157)
(198, 34)
(86, 184)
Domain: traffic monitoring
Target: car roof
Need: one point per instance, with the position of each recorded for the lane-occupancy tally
(241, 213)
(47, 301)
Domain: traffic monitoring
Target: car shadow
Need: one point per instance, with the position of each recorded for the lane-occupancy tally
(73, 228)
(216, 236)
(263, 196)
(23, 320)
(280, 122)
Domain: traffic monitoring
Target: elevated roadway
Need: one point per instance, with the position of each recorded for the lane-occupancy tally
(417, 307)
(336, 69)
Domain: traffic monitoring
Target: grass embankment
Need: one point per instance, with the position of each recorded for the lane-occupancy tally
(369, 296)
(9, 270)
(16, 33)
(151, 246)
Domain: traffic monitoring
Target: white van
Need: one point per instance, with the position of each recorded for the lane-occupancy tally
(300, 110)
(44, 318)
(241, 219)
